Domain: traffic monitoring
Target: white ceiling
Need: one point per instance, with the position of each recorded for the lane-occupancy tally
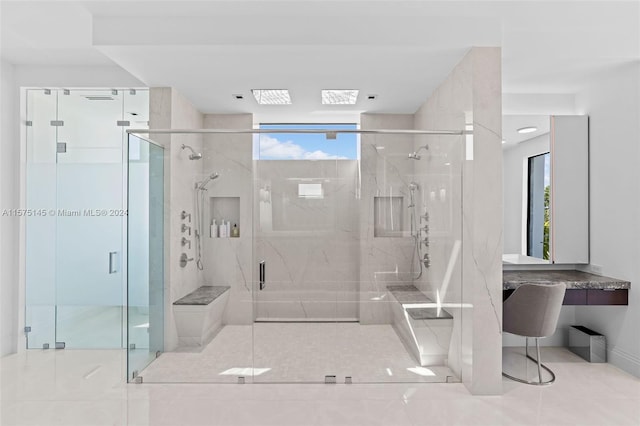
(511, 124)
(398, 50)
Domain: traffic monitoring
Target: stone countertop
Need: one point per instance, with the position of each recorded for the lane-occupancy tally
(203, 295)
(573, 279)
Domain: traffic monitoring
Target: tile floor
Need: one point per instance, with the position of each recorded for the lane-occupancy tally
(77, 387)
(294, 353)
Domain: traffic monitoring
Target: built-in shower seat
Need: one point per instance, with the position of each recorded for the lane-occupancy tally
(425, 330)
(198, 315)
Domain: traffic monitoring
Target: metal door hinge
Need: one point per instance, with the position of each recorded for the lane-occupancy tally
(27, 329)
(66, 92)
(123, 123)
(45, 346)
(47, 91)
(114, 92)
(132, 91)
(57, 123)
(61, 147)
(28, 123)
(60, 345)
(330, 380)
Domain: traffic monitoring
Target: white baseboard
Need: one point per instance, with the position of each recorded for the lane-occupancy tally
(624, 361)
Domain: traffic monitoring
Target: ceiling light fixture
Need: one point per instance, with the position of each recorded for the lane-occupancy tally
(372, 97)
(339, 97)
(529, 129)
(272, 96)
(238, 96)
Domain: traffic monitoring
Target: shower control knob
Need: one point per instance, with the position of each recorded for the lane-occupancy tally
(186, 242)
(184, 260)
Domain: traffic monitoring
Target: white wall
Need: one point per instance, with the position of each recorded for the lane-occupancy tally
(9, 192)
(612, 102)
(514, 162)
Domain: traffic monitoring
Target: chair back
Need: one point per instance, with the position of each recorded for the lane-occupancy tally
(533, 309)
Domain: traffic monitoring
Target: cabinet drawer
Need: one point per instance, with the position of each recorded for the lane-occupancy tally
(575, 297)
(607, 297)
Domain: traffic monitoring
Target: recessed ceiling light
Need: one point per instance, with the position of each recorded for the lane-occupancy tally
(272, 96)
(372, 97)
(339, 97)
(529, 129)
(238, 96)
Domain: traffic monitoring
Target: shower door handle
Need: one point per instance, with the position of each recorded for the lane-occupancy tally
(114, 262)
(263, 274)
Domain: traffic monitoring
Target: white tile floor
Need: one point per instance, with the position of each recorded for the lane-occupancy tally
(74, 387)
(297, 352)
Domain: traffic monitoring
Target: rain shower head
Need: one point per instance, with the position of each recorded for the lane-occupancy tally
(194, 155)
(415, 156)
(202, 185)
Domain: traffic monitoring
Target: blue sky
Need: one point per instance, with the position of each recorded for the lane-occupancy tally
(311, 146)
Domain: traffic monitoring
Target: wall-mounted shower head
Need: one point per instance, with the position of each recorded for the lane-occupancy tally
(415, 156)
(194, 155)
(413, 186)
(202, 185)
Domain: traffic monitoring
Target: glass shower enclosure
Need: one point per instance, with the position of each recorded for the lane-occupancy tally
(75, 215)
(311, 268)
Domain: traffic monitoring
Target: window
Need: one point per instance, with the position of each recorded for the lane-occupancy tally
(539, 175)
(307, 146)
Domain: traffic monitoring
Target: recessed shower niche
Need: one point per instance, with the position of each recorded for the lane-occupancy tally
(388, 216)
(223, 210)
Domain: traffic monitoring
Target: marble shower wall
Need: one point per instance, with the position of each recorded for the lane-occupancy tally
(168, 109)
(229, 261)
(471, 97)
(386, 172)
(309, 241)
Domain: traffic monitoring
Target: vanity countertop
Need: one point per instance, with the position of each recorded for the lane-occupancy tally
(573, 279)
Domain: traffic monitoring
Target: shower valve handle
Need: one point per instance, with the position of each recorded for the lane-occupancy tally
(186, 242)
(184, 259)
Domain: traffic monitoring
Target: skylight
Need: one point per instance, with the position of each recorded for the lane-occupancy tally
(339, 97)
(272, 96)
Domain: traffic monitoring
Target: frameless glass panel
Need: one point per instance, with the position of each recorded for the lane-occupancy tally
(90, 220)
(40, 258)
(145, 251)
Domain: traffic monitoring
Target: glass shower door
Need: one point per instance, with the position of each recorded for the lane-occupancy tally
(90, 218)
(306, 257)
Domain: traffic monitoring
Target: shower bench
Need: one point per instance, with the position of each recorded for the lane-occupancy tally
(198, 315)
(203, 295)
(424, 330)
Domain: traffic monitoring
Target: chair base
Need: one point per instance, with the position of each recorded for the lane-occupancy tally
(541, 367)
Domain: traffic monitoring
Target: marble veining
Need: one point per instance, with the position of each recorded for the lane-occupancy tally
(203, 295)
(573, 279)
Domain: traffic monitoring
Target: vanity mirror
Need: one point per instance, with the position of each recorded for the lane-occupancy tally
(546, 199)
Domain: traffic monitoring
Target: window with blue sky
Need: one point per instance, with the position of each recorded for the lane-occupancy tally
(307, 146)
